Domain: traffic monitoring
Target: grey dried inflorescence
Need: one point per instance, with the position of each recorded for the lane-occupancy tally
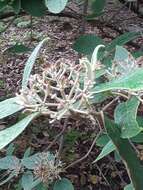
(61, 89)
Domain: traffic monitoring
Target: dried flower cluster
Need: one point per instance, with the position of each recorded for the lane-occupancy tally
(48, 168)
(60, 90)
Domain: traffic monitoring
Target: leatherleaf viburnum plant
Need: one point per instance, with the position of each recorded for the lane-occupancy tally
(86, 89)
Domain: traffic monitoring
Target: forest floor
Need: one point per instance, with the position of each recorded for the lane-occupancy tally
(63, 31)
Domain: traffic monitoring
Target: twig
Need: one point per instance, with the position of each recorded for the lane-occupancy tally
(59, 135)
(60, 146)
(114, 165)
(86, 155)
(101, 173)
(109, 104)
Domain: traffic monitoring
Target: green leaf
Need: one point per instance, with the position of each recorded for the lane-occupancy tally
(9, 162)
(129, 187)
(56, 6)
(133, 81)
(34, 7)
(102, 140)
(127, 153)
(138, 138)
(107, 149)
(97, 6)
(16, 4)
(18, 48)
(9, 134)
(86, 43)
(32, 161)
(27, 180)
(30, 62)
(10, 149)
(3, 4)
(122, 39)
(125, 116)
(9, 107)
(63, 184)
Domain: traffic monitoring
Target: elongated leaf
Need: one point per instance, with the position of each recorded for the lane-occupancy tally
(107, 149)
(30, 62)
(133, 81)
(128, 155)
(125, 116)
(27, 180)
(9, 134)
(9, 107)
(63, 184)
(122, 39)
(56, 6)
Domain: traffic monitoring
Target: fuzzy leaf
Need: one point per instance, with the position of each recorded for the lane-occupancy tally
(9, 107)
(32, 161)
(125, 116)
(133, 81)
(30, 62)
(9, 162)
(27, 180)
(9, 134)
(129, 187)
(56, 6)
(107, 149)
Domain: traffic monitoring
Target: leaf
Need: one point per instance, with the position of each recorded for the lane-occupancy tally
(56, 6)
(18, 48)
(9, 107)
(10, 149)
(102, 140)
(86, 43)
(125, 116)
(9, 162)
(32, 161)
(138, 138)
(3, 4)
(133, 81)
(9, 134)
(107, 149)
(97, 6)
(129, 187)
(16, 4)
(127, 153)
(27, 180)
(122, 39)
(30, 62)
(34, 7)
(63, 184)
